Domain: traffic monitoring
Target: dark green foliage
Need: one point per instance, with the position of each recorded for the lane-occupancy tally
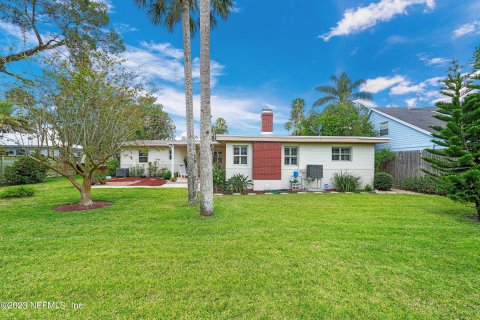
(338, 120)
(383, 181)
(368, 188)
(167, 175)
(427, 184)
(460, 136)
(157, 123)
(346, 182)
(219, 179)
(25, 170)
(238, 183)
(297, 115)
(112, 166)
(17, 192)
(382, 158)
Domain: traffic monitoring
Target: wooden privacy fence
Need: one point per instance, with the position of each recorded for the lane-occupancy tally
(409, 163)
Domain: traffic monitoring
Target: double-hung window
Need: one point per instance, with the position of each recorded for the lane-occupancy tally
(240, 155)
(290, 156)
(217, 158)
(341, 154)
(143, 156)
(384, 128)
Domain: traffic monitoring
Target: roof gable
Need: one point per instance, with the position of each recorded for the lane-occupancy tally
(417, 118)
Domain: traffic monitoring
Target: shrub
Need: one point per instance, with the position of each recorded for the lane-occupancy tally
(219, 179)
(136, 171)
(427, 184)
(368, 188)
(238, 183)
(383, 181)
(382, 158)
(25, 170)
(346, 182)
(112, 166)
(167, 175)
(18, 192)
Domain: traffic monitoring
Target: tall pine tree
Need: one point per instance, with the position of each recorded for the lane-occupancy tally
(459, 138)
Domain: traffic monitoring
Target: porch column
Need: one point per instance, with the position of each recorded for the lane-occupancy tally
(172, 148)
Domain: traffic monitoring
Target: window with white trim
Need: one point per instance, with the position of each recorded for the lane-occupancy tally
(290, 156)
(341, 154)
(143, 156)
(384, 128)
(240, 155)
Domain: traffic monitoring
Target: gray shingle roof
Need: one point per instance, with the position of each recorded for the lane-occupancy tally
(419, 117)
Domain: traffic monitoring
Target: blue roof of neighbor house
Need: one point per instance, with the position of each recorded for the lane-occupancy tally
(421, 118)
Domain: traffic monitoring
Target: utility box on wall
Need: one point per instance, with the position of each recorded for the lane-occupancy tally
(314, 171)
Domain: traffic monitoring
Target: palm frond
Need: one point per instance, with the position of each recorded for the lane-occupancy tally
(362, 95)
(327, 90)
(324, 100)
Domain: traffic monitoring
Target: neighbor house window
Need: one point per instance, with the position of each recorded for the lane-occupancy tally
(384, 128)
(217, 158)
(240, 155)
(143, 156)
(341, 154)
(290, 156)
(169, 154)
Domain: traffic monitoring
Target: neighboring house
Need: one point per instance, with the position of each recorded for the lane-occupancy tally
(407, 128)
(270, 161)
(18, 144)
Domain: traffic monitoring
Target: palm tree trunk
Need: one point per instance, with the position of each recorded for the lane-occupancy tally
(206, 178)
(187, 59)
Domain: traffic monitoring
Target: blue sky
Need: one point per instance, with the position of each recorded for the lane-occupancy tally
(270, 52)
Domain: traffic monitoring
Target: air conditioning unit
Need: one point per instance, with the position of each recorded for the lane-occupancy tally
(121, 173)
(314, 171)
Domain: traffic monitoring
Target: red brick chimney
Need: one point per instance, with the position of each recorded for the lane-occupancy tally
(267, 121)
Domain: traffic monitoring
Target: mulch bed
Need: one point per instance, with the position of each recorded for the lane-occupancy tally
(71, 207)
(145, 182)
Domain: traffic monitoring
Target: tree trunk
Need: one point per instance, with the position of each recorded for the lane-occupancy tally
(187, 58)
(206, 178)
(86, 191)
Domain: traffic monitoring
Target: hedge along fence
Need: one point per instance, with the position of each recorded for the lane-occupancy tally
(408, 163)
(6, 161)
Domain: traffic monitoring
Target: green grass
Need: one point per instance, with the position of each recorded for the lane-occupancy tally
(150, 256)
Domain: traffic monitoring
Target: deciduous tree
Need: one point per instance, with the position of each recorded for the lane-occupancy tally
(78, 25)
(84, 112)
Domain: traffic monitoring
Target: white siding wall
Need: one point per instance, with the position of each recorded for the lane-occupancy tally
(230, 168)
(403, 138)
(362, 164)
(129, 158)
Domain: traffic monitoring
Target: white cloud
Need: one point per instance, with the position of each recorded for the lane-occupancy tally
(165, 62)
(381, 83)
(432, 61)
(411, 102)
(405, 87)
(354, 51)
(466, 29)
(123, 27)
(362, 18)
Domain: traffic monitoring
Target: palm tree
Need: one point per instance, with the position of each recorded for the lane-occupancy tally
(342, 92)
(220, 126)
(168, 13)
(206, 165)
(296, 116)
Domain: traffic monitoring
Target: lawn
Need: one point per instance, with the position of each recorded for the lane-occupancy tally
(150, 256)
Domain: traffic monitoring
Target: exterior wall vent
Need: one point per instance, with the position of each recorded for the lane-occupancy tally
(314, 171)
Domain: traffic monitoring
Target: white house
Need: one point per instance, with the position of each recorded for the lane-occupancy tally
(272, 162)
